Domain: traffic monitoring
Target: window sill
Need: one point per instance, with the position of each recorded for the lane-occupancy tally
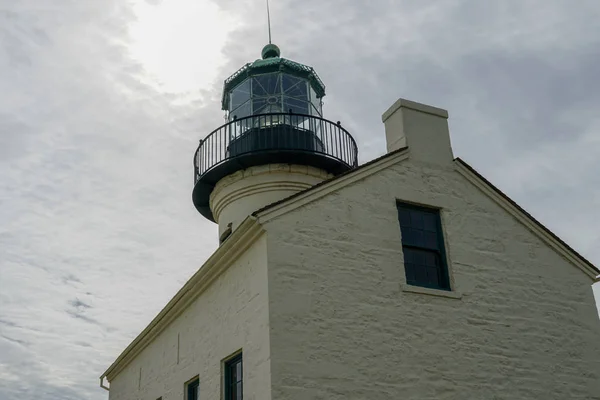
(431, 292)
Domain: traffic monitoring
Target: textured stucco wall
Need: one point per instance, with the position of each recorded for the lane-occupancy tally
(240, 194)
(342, 327)
(230, 315)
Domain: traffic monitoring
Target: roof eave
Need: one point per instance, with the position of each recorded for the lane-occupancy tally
(551, 238)
(235, 245)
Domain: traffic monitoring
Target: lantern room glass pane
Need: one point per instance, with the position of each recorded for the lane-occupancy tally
(265, 85)
(272, 108)
(316, 102)
(240, 94)
(294, 87)
(258, 105)
(296, 106)
(242, 111)
(314, 111)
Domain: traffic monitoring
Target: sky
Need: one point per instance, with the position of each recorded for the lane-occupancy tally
(102, 104)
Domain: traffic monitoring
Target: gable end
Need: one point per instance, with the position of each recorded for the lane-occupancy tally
(527, 219)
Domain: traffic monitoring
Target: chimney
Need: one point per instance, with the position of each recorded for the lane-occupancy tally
(423, 128)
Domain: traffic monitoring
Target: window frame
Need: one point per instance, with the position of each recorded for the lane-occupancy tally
(195, 381)
(440, 251)
(227, 378)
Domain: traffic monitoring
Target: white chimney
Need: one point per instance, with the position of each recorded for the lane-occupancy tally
(423, 128)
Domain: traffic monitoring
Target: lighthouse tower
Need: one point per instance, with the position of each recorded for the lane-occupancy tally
(275, 142)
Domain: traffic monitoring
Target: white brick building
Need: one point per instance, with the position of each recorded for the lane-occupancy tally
(409, 277)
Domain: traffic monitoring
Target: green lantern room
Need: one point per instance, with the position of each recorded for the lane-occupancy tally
(274, 116)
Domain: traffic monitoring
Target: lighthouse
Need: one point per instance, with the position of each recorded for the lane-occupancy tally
(275, 142)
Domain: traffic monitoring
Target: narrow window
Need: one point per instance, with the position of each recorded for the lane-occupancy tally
(192, 391)
(423, 247)
(233, 378)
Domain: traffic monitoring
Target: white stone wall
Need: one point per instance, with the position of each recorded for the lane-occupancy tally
(342, 327)
(230, 315)
(238, 195)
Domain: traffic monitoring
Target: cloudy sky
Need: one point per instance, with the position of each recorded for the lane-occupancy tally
(102, 103)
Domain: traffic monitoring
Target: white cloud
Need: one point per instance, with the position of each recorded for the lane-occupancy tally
(97, 132)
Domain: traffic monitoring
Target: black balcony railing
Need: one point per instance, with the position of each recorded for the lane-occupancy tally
(277, 138)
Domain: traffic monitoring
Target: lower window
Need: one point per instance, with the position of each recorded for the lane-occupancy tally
(233, 378)
(193, 390)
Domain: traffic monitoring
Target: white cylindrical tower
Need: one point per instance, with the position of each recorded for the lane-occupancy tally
(275, 143)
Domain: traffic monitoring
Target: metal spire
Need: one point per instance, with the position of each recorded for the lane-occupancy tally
(269, 21)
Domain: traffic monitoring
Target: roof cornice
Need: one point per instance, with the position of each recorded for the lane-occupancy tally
(239, 241)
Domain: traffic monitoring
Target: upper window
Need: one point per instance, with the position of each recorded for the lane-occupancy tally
(423, 247)
(233, 378)
(193, 390)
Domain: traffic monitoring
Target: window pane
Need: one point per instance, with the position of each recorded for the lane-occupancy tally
(238, 391)
(258, 104)
(416, 219)
(295, 87)
(242, 111)
(233, 374)
(408, 255)
(421, 274)
(429, 222)
(297, 106)
(419, 228)
(430, 240)
(316, 111)
(430, 259)
(419, 257)
(433, 276)
(264, 85)
(404, 216)
(240, 94)
(410, 273)
(238, 371)
(424, 268)
(314, 100)
(268, 109)
(418, 239)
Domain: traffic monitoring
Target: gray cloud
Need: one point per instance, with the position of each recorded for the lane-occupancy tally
(95, 160)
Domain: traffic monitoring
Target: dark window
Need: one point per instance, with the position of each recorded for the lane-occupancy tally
(193, 390)
(233, 378)
(423, 247)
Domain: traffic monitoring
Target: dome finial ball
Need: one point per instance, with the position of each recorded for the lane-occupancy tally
(270, 51)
